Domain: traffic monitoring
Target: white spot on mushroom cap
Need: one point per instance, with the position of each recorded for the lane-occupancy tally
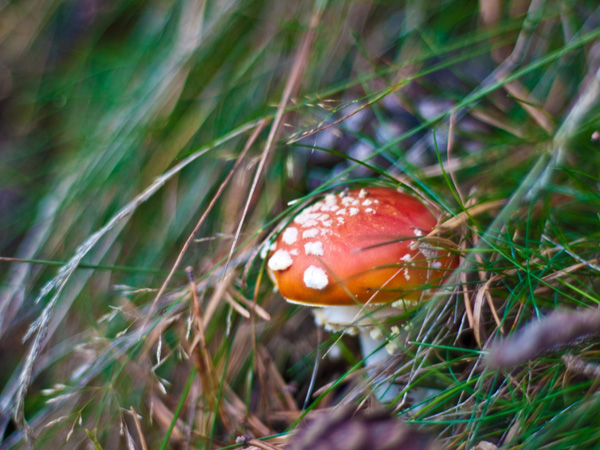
(428, 253)
(370, 210)
(418, 232)
(436, 264)
(280, 260)
(340, 220)
(307, 218)
(310, 233)
(330, 200)
(406, 258)
(347, 200)
(314, 248)
(354, 211)
(367, 202)
(315, 278)
(327, 223)
(290, 235)
(341, 212)
(309, 223)
(363, 193)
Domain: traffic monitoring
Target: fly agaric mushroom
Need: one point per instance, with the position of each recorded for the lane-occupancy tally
(353, 256)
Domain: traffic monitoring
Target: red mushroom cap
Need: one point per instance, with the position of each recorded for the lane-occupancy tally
(358, 244)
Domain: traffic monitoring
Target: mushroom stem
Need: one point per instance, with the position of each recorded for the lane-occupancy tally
(374, 351)
(362, 321)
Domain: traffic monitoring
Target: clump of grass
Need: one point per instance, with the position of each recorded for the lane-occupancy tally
(142, 139)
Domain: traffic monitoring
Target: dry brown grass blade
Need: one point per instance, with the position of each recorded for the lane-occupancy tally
(490, 11)
(490, 302)
(478, 308)
(286, 417)
(216, 298)
(204, 216)
(163, 417)
(252, 306)
(518, 315)
(262, 445)
(138, 427)
(563, 272)
(203, 358)
(276, 380)
(463, 217)
(237, 409)
(466, 297)
(482, 292)
(515, 430)
(235, 305)
(347, 379)
(579, 366)
(517, 90)
(496, 120)
(206, 369)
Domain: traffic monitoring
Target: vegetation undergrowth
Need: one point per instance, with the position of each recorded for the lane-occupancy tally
(151, 150)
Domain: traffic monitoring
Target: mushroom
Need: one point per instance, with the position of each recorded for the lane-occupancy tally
(354, 258)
